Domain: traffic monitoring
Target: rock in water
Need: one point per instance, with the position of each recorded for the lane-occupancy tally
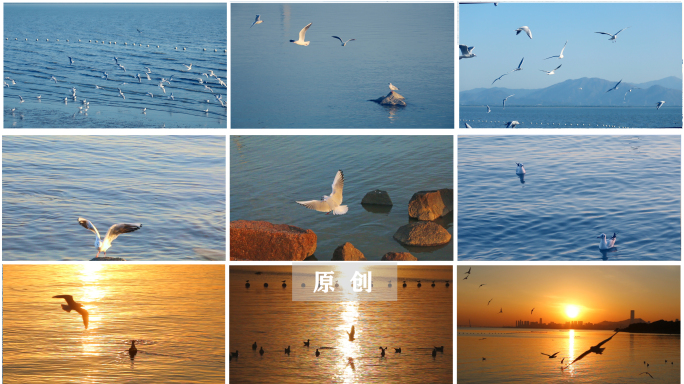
(429, 205)
(422, 234)
(392, 98)
(398, 256)
(107, 258)
(377, 197)
(347, 252)
(261, 240)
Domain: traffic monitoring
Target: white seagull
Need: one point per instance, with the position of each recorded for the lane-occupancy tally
(466, 52)
(504, 100)
(121, 93)
(302, 35)
(524, 28)
(22, 99)
(54, 78)
(114, 231)
(188, 66)
(605, 244)
(392, 87)
(257, 20)
(612, 37)
(511, 124)
(344, 43)
(520, 170)
(500, 77)
(71, 61)
(468, 125)
(551, 72)
(519, 66)
(330, 203)
(615, 87)
(488, 109)
(561, 54)
(660, 104)
(72, 305)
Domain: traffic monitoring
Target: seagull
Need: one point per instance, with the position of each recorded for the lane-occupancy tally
(630, 90)
(531, 311)
(71, 61)
(468, 125)
(527, 30)
(144, 111)
(468, 273)
(330, 203)
(551, 72)
(121, 93)
(466, 278)
(646, 373)
(392, 87)
(54, 78)
(605, 244)
(188, 66)
(466, 52)
(72, 305)
(151, 95)
(351, 334)
(105, 75)
(561, 54)
(98, 87)
(139, 31)
(551, 356)
(38, 97)
(207, 87)
(148, 76)
(122, 67)
(302, 34)
(595, 349)
(482, 285)
(344, 43)
(520, 170)
(206, 110)
(512, 124)
(200, 80)
(660, 103)
(612, 37)
(162, 87)
(504, 100)
(171, 97)
(501, 311)
(148, 70)
(116, 59)
(519, 66)
(114, 231)
(488, 109)
(257, 20)
(499, 77)
(22, 99)
(138, 76)
(615, 87)
(132, 351)
(490, 300)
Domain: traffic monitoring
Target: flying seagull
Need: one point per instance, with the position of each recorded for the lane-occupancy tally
(660, 104)
(519, 66)
(351, 334)
(531, 311)
(646, 373)
(257, 20)
(467, 125)
(482, 285)
(551, 356)
(524, 28)
(330, 203)
(72, 305)
(302, 35)
(612, 37)
(344, 43)
(469, 270)
(551, 72)
(561, 54)
(512, 124)
(114, 231)
(499, 78)
(501, 311)
(71, 61)
(466, 52)
(615, 87)
(504, 100)
(595, 349)
(490, 300)
(488, 109)
(605, 244)
(630, 90)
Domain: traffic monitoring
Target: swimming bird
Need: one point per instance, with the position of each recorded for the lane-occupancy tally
(419, 284)
(382, 354)
(287, 350)
(612, 37)
(254, 346)
(490, 300)
(392, 87)
(561, 54)
(113, 232)
(504, 100)
(284, 285)
(524, 28)
(595, 349)
(38, 97)
(306, 343)
(434, 352)
(551, 356)
(466, 52)
(302, 35)
(235, 354)
(404, 284)
(344, 43)
(520, 170)
(330, 203)
(553, 71)
(615, 87)
(189, 67)
(206, 110)
(72, 305)
(71, 61)
(257, 21)
(605, 244)
(646, 373)
(433, 284)
(317, 353)
(447, 283)
(351, 334)
(512, 124)
(390, 284)
(261, 351)
(247, 286)
(132, 351)
(659, 104)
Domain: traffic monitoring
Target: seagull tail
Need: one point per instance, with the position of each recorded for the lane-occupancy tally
(341, 210)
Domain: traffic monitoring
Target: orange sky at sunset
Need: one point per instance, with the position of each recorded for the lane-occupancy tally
(598, 293)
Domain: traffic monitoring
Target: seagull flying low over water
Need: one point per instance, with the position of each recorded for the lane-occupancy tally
(467, 125)
(595, 349)
(466, 52)
(551, 356)
(612, 37)
(504, 100)
(512, 124)
(257, 20)
(551, 72)
(660, 104)
(189, 67)
(71, 61)
(514, 70)
(344, 43)
(524, 28)
(302, 36)
(330, 203)
(615, 87)
(72, 305)
(113, 232)
(488, 109)
(607, 244)
(561, 54)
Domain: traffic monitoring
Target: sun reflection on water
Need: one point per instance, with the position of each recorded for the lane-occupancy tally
(349, 349)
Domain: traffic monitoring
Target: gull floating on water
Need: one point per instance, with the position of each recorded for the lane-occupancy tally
(612, 37)
(660, 104)
(330, 203)
(606, 244)
(551, 72)
(302, 35)
(466, 52)
(520, 170)
(561, 54)
(615, 87)
(344, 43)
(524, 28)
(113, 232)
(257, 20)
(72, 305)
(504, 100)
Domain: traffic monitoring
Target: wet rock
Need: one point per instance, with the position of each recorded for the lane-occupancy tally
(422, 234)
(392, 98)
(377, 197)
(107, 258)
(398, 256)
(429, 205)
(347, 252)
(261, 240)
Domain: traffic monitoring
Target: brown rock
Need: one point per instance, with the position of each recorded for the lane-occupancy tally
(422, 234)
(429, 205)
(261, 240)
(398, 256)
(377, 197)
(347, 252)
(392, 98)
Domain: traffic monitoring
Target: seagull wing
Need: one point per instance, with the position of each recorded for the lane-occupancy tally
(84, 314)
(463, 48)
(349, 40)
(117, 229)
(558, 67)
(604, 33)
(302, 33)
(606, 340)
(337, 186)
(551, 57)
(529, 33)
(620, 30)
(521, 61)
(339, 39)
(316, 205)
(255, 21)
(499, 78)
(566, 43)
(88, 225)
(69, 299)
(580, 357)
(554, 355)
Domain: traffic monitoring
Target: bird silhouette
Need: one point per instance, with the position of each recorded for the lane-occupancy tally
(551, 356)
(72, 305)
(595, 349)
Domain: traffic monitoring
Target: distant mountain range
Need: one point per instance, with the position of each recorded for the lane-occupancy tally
(582, 92)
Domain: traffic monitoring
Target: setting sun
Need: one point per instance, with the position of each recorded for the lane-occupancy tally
(572, 311)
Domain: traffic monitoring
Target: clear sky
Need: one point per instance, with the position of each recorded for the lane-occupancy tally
(650, 49)
(598, 292)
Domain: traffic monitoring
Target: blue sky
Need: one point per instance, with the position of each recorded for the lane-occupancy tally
(650, 49)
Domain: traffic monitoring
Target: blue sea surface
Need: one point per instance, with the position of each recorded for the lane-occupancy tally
(571, 117)
(575, 188)
(277, 84)
(36, 48)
